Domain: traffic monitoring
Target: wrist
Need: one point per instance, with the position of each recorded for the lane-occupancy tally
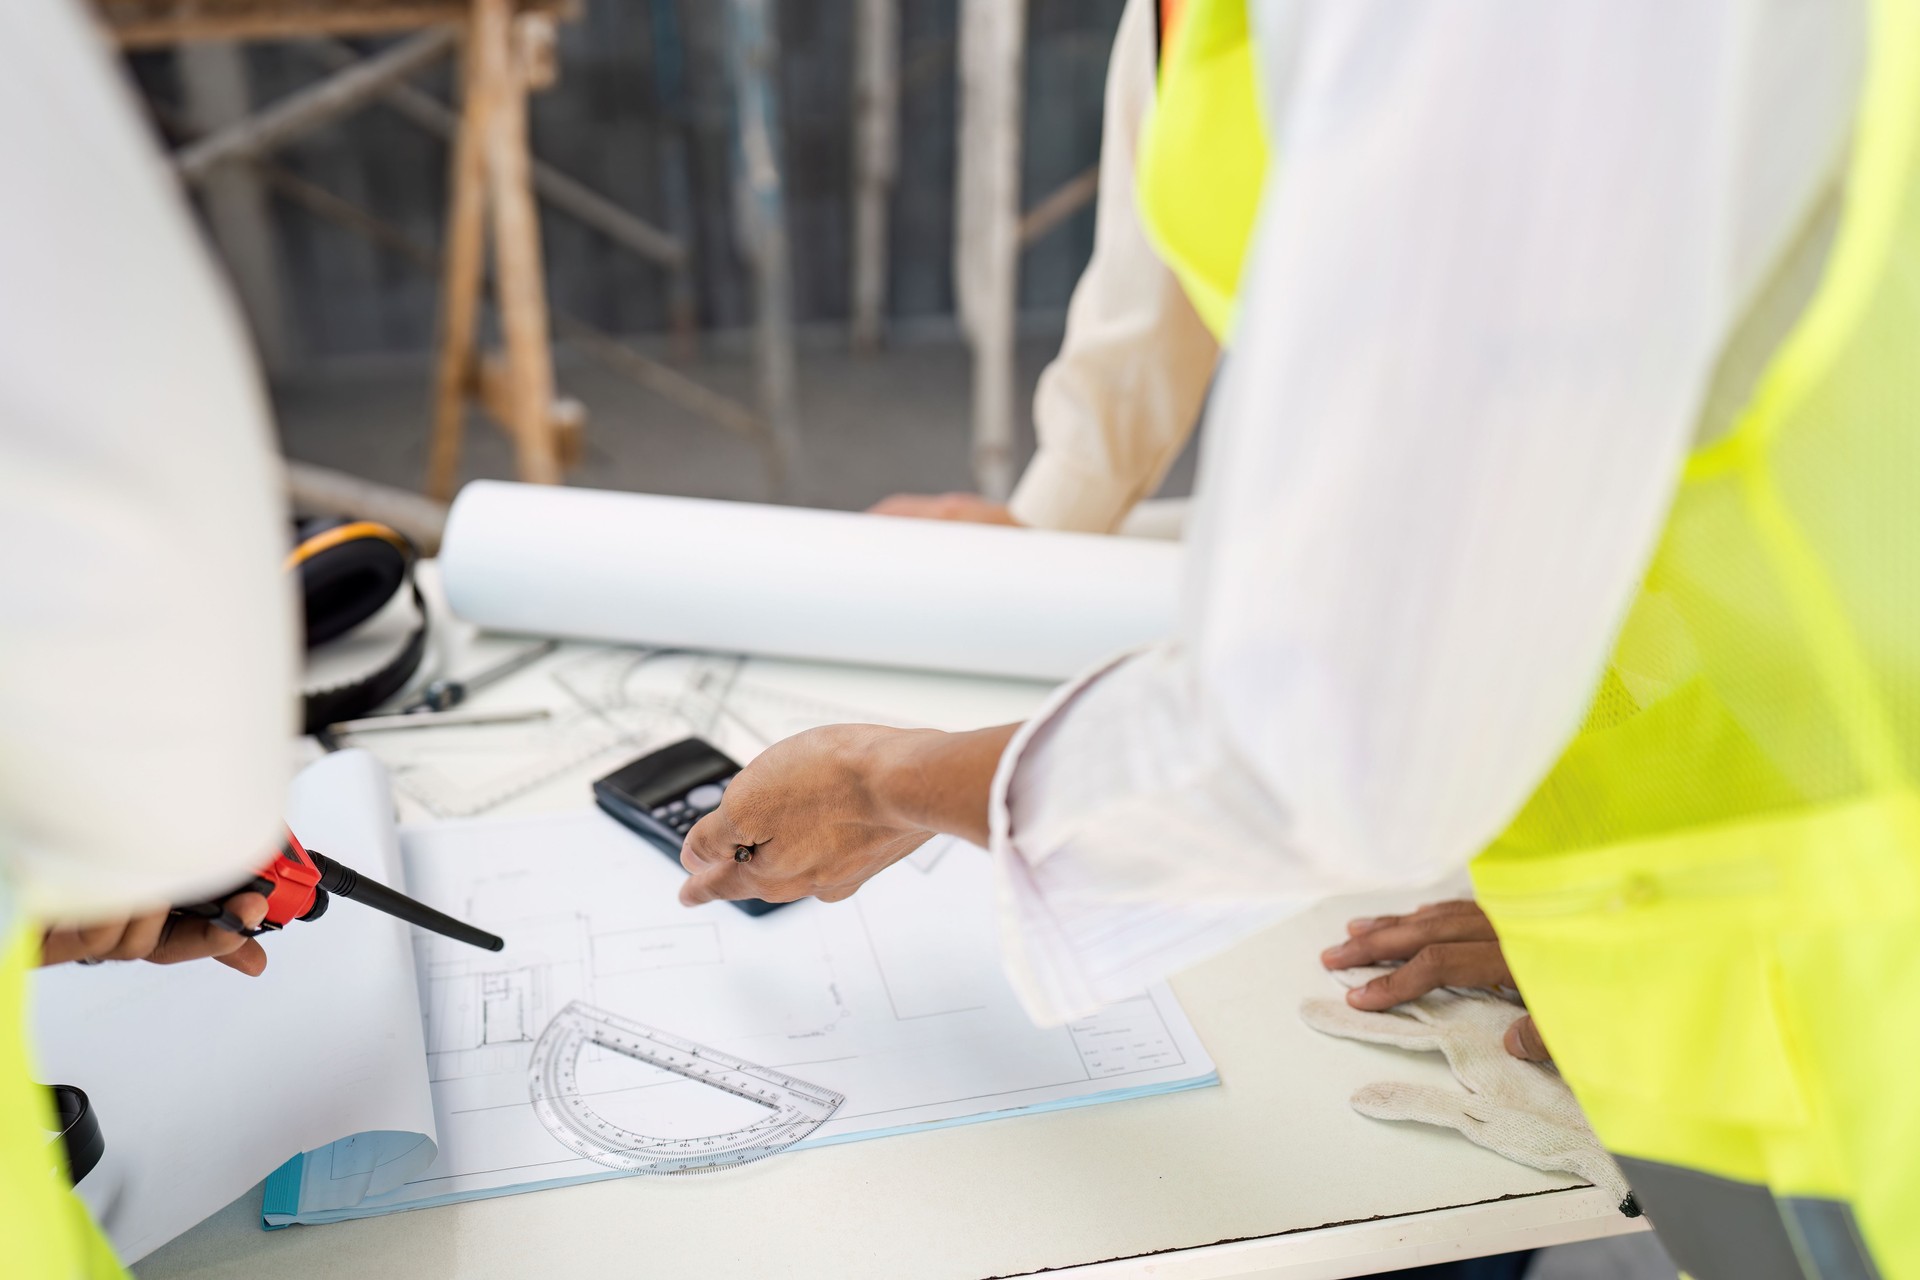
(894, 766)
(929, 780)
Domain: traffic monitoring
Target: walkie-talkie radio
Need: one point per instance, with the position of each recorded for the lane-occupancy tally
(297, 884)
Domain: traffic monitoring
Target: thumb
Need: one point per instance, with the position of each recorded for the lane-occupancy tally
(1523, 1041)
(712, 840)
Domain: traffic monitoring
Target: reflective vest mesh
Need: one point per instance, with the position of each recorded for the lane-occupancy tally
(1712, 902)
(1771, 661)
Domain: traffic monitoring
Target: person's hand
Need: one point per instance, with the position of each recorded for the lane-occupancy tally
(808, 809)
(159, 937)
(969, 508)
(1443, 944)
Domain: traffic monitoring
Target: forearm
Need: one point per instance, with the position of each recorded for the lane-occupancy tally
(937, 781)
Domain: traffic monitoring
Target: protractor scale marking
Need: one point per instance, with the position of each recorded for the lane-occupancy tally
(795, 1107)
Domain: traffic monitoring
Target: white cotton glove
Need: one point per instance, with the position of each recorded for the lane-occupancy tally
(1521, 1110)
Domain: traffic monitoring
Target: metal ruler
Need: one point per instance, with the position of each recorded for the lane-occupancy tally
(795, 1108)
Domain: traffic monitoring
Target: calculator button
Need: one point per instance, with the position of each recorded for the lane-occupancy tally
(664, 812)
(704, 797)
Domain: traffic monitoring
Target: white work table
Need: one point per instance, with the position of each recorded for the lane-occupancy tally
(1268, 1174)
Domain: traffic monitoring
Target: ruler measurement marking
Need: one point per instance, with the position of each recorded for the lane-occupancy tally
(795, 1107)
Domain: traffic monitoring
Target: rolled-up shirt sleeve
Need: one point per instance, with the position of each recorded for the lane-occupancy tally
(1119, 401)
(1485, 301)
(1122, 836)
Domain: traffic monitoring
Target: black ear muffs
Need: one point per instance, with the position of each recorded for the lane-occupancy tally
(349, 570)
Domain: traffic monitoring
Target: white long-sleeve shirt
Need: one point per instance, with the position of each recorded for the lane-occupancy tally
(1498, 284)
(146, 635)
(1119, 401)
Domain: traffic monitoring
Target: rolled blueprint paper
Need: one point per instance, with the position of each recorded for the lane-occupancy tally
(740, 577)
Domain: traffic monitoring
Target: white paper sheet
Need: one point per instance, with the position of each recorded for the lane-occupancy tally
(204, 1079)
(740, 577)
(894, 998)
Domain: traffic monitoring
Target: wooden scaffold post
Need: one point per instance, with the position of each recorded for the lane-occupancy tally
(754, 54)
(504, 58)
(876, 161)
(987, 222)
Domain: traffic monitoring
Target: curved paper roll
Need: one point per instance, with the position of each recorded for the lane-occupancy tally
(741, 577)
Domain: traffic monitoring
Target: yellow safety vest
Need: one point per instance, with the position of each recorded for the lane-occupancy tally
(1203, 154)
(45, 1232)
(1712, 904)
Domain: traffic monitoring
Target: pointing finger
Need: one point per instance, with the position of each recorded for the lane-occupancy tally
(190, 938)
(96, 940)
(250, 958)
(716, 880)
(1404, 938)
(1453, 907)
(142, 936)
(1444, 964)
(1450, 907)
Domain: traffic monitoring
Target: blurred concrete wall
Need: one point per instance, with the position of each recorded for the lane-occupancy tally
(621, 96)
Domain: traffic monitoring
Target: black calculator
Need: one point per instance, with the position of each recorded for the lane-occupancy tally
(662, 794)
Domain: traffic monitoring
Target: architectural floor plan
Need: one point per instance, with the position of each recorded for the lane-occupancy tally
(893, 998)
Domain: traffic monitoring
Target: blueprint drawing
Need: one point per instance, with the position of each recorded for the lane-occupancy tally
(894, 998)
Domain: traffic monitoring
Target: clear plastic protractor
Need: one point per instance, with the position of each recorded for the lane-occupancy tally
(793, 1108)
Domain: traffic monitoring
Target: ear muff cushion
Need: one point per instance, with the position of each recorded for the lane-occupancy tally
(328, 706)
(346, 580)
